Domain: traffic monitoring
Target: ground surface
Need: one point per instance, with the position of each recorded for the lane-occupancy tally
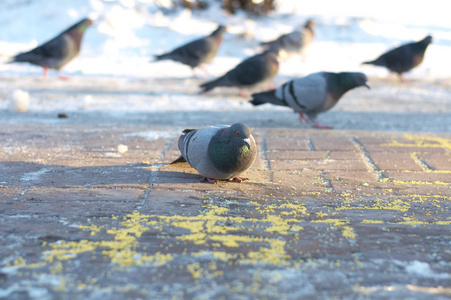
(359, 211)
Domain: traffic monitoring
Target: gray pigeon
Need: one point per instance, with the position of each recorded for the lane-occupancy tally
(295, 41)
(218, 152)
(403, 58)
(197, 52)
(312, 94)
(57, 52)
(254, 72)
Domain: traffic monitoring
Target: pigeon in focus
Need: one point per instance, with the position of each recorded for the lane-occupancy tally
(57, 52)
(312, 94)
(403, 58)
(254, 73)
(198, 52)
(218, 152)
(295, 41)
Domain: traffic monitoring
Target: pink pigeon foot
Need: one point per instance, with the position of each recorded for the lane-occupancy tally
(320, 126)
(209, 180)
(63, 77)
(46, 71)
(244, 94)
(204, 68)
(239, 179)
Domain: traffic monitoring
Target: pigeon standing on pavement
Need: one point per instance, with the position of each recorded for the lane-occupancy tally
(295, 41)
(218, 152)
(198, 52)
(57, 52)
(403, 58)
(312, 94)
(255, 72)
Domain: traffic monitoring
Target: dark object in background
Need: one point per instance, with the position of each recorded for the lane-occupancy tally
(197, 52)
(254, 72)
(404, 58)
(62, 116)
(295, 41)
(194, 4)
(57, 52)
(262, 8)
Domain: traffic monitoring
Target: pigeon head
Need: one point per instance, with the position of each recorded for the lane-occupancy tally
(352, 80)
(81, 26)
(219, 31)
(427, 40)
(310, 23)
(233, 148)
(339, 83)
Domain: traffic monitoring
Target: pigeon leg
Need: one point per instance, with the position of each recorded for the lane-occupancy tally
(244, 94)
(320, 126)
(204, 68)
(402, 79)
(193, 71)
(304, 118)
(315, 124)
(239, 179)
(208, 179)
(62, 77)
(46, 70)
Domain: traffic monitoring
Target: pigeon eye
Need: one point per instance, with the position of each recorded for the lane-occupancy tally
(237, 133)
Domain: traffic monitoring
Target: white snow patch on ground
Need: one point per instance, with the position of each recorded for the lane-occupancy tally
(34, 176)
(424, 269)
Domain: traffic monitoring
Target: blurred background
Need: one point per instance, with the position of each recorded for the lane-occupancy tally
(127, 33)
(113, 77)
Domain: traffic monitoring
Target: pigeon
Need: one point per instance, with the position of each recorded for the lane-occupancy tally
(312, 94)
(218, 152)
(295, 41)
(57, 52)
(253, 73)
(198, 52)
(403, 58)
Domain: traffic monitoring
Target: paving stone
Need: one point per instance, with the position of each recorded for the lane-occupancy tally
(346, 214)
(395, 161)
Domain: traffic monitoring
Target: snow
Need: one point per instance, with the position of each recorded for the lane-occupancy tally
(424, 269)
(127, 33)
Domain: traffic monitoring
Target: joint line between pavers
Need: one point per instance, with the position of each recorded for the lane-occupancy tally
(154, 173)
(367, 159)
(266, 161)
(327, 183)
(310, 144)
(423, 165)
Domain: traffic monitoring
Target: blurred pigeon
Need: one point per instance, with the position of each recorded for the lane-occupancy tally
(312, 94)
(295, 41)
(57, 52)
(197, 52)
(403, 58)
(254, 72)
(218, 152)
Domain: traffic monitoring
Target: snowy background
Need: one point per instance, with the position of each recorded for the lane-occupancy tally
(127, 33)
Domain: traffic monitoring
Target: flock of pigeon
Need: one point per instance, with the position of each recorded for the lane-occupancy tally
(225, 152)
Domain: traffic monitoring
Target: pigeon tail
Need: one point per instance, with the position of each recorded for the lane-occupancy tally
(266, 97)
(163, 56)
(221, 81)
(180, 159)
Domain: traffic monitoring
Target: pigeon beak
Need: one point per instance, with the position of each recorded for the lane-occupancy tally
(366, 84)
(247, 142)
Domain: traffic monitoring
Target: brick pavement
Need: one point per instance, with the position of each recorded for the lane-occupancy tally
(348, 214)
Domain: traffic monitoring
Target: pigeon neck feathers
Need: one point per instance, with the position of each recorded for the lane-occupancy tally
(76, 31)
(339, 83)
